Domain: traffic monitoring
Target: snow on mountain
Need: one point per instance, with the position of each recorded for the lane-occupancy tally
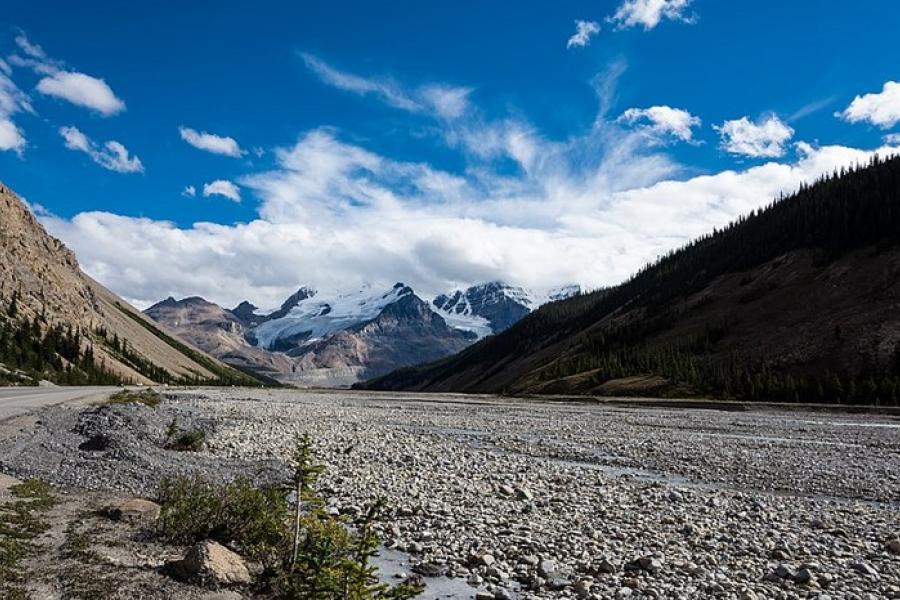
(308, 316)
(490, 308)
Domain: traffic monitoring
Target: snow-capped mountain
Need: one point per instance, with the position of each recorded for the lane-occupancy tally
(493, 307)
(307, 317)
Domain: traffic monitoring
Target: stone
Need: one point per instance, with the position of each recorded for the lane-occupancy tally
(524, 494)
(803, 576)
(429, 569)
(211, 562)
(135, 510)
(506, 490)
(547, 568)
(582, 588)
(605, 566)
(864, 568)
(893, 546)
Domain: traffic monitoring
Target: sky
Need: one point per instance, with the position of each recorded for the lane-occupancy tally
(240, 152)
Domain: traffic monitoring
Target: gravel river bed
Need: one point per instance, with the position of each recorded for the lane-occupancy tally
(525, 499)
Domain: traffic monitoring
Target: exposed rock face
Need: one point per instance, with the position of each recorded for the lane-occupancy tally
(218, 331)
(319, 340)
(405, 333)
(48, 281)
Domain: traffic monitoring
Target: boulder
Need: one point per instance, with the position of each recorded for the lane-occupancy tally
(136, 510)
(212, 563)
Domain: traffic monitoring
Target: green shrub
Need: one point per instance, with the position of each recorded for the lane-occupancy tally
(306, 553)
(188, 441)
(145, 397)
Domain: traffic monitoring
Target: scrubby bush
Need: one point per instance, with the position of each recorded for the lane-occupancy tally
(306, 552)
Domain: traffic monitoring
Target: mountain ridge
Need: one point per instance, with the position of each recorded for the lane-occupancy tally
(722, 316)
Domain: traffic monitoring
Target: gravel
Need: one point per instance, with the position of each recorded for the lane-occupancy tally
(542, 500)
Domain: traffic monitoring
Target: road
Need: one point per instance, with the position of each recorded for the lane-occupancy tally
(15, 401)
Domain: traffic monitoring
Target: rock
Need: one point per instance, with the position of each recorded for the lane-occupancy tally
(783, 571)
(582, 588)
(864, 568)
(482, 595)
(524, 494)
(675, 496)
(803, 576)
(893, 546)
(135, 510)
(547, 568)
(429, 569)
(211, 562)
(624, 592)
(506, 490)
(223, 595)
(487, 559)
(605, 566)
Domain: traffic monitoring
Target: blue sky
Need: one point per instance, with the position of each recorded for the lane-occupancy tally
(437, 143)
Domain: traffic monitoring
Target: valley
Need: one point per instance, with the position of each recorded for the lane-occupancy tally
(517, 498)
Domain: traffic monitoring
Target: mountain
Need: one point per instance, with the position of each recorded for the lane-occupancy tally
(56, 323)
(798, 301)
(493, 307)
(220, 332)
(318, 339)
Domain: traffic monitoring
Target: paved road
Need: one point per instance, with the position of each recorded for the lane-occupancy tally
(16, 401)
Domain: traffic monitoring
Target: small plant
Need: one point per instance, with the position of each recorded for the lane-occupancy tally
(188, 441)
(306, 553)
(145, 397)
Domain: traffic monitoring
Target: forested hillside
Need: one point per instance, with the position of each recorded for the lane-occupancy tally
(795, 302)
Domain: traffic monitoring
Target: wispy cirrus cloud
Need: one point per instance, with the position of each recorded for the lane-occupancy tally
(111, 155)
(449, 102)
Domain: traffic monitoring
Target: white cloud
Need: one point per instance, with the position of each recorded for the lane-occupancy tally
(210, 142)
(892, 139)
(62, 82)
(649, 13)
(448, 102)
(663, 120)
(881, 109)
(112, 155)
(222, 187)
(32, 50)
(11, 137)
(12, 101)
(583, 32)
(764, 138)
(82, 90)
(189, 191)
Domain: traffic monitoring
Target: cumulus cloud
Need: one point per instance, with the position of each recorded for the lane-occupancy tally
(583, 32)
(209, 142)
(335, 215)
(764, 138)
(112, 155)
(649, 13)
(881, 109)
(663, 120)
(189, 191)
(83, 90)
(892, 139)
(222, 187)
(67, 84)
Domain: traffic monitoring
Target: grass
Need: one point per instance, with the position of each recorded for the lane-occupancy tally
(145, 397)
(20, 523)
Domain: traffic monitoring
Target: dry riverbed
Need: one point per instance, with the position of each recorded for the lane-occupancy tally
(522, 499)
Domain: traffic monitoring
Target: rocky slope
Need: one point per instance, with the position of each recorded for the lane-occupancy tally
(220, 332)
(798, 302)
(44, 278)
